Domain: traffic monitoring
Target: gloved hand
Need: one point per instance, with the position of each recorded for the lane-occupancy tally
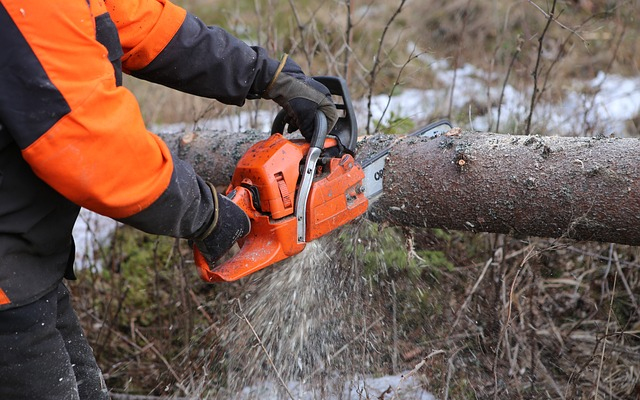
(300, 96)
(229, 223)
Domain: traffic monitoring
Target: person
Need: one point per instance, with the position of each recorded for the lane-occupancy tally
(72, 136)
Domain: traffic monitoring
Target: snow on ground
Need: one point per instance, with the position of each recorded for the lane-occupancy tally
(238, 122)
(386, 387)
(91, 234)
(604, 103)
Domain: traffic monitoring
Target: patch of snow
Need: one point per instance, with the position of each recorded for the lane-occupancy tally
(238, 122)
(601, 105)
(91, 234)
(387, 387)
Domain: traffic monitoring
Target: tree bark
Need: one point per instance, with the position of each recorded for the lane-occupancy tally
(578, 188)
(213, 154)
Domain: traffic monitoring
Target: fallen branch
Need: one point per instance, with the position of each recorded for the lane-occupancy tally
(414, 371)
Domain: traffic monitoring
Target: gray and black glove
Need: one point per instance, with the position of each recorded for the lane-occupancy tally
(229, 224)
(300, 96)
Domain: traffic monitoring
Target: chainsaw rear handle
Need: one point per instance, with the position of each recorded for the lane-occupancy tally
(264, 245)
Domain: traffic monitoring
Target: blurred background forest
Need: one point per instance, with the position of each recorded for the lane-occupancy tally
(471, 316)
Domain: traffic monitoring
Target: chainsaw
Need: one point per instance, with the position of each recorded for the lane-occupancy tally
(296, 191)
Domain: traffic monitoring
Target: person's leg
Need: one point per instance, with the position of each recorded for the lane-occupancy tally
(34, 362)
(91, 385)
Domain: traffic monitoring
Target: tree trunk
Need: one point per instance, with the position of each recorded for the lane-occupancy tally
(578, 188)
(213, 154)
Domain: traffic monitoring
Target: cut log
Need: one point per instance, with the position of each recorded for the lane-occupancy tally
(578, 188)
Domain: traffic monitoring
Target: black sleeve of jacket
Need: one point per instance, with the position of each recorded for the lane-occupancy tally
(210, 62)
(183, 210)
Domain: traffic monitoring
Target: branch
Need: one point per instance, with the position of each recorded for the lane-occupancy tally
(376, 62)
(550, 17)
(537, 66)
(396, 83)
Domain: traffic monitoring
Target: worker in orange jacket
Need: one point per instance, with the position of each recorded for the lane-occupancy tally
(71, 136)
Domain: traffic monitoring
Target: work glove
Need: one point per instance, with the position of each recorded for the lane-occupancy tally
(300, 96)
(229, 223)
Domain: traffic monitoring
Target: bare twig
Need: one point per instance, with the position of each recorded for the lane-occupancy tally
(264, 349)
(531, 252)
(514, 57)
(625, 283)
(346, 346)
(200, 308)
(606, 333)
(450, 372)
(600, 257)
(414, 371)
(457, 58)
(301, 29)
(164, 361)
(549, 379)
(532, 332)
(411, 57)
(348, 39)
(470, 295)
(373, 73)
(394, 357)
(107, 320)
(591, 104)
(550, 17)
(536, 69)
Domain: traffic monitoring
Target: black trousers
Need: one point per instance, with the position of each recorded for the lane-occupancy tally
(44, 354)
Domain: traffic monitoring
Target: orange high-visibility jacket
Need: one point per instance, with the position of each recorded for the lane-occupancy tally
(71, 136)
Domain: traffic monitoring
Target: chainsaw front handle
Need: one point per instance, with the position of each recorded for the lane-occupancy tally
(346, 127)
(315, 148)
(319, 133)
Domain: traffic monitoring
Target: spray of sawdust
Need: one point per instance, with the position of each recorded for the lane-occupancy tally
(304, 314)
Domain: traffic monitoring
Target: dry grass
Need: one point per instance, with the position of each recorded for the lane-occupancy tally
(553, 321)
(507, 319)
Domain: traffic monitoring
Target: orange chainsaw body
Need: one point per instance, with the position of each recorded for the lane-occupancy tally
(266, 184)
